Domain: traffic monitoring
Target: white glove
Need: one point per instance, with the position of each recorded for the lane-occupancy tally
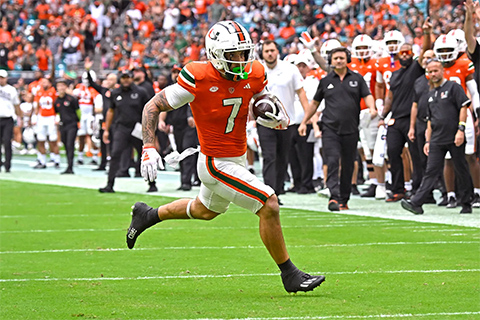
(279, 122)
(308, 41)
(151, 161)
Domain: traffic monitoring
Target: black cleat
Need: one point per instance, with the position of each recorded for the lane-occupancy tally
(370, 193)
(300, 281)
(107, 189)
(466, 208)
(333, 205)
(143, 217)
(407, 205)
(152, 188)
(355, 191)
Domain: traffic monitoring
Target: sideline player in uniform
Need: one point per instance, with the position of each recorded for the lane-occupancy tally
(219, 91)
(90, 103)
(46, 123)
(364, 63)
(458, 68)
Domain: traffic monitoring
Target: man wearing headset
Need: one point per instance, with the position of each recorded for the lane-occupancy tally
(342, 90)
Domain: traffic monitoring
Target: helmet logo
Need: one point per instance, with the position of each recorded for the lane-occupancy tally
(215, 36)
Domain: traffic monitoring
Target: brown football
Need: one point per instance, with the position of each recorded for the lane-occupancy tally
(263, 104)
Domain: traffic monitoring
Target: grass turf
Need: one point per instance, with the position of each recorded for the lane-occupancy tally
(63, 256)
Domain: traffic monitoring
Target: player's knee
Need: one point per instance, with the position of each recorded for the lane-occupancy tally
(271, 207)
(200, 212)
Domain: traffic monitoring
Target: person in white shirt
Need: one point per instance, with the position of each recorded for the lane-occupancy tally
(9, 108)
(285, 81)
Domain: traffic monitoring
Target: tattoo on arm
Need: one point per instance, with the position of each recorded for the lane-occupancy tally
(151, 111)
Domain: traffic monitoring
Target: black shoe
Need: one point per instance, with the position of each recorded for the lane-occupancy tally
(143, 217)
(305, 191)
(475, 201)
(355, 191)
(68, 171)
(444, 201)
(407, 205)
(300, 281)
(94, 162)
(196, 183)
(107, 189)
(370, 193)
(79, 161)
(395, 197)
(7, 170)
(466, 209)
(333, 205)
(452, 203)
(122, 175)
(280, 203)
(40, 166)
(317, 184)
(152, 188)
(99, 169)
(185, 187)
(57, 165)
(252, 171)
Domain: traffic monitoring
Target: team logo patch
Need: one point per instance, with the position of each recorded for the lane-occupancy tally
(213, 89)
(444, 95)
(66, 103)
(330, 86)
(119, 98)
(430, 99)
(231, 90)
(353, 84)
(247, 86)
(134, 95)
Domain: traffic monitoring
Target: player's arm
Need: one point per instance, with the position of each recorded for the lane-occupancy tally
(302, 96)
(413, 119)
(427, 41)
(370, 103)
(172, 97)
(474, 96)
(470, 8)
(388, 104)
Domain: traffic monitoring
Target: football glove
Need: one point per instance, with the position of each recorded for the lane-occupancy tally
(151, 161)
(279, 122)
(308, 41)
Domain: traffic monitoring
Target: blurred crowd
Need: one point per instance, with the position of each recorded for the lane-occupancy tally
(36, 35)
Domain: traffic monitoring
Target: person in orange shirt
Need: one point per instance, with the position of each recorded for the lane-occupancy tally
(219, 92)
(146, 25)
(43, 55)
(43, 11)
(46, 125)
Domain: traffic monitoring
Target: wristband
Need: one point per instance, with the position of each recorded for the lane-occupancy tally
(427, 142)
(462, 123)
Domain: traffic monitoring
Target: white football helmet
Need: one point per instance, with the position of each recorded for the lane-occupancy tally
(445, 48)
(328, 46)
(459, 34)
(85, 77)
(365, 41)
(229, 36)
(28, 135)
(393, 41)
(290, 58)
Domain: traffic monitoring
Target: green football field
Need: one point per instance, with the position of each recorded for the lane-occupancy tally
(63, 256)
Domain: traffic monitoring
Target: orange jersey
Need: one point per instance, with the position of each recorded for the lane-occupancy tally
(317, 73)
(220, 107)
(369, 72)
(385, 68)
(459, 72)
(34, 86)
(44, 101)
(86, 96)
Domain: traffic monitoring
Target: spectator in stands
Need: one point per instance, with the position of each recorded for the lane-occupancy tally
(44, 56)
(71, 46)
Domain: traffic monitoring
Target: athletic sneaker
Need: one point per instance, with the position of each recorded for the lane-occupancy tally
(452, 203)
(143, 217)
(324, 193)
(370, 193)
(380, 192)
(300, 281)
(333, 205)
(476, 201)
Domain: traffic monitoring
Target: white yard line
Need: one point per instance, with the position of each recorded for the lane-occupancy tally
(401, 243)
(240, 275)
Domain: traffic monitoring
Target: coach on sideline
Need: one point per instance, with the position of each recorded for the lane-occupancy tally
(342, 90)
(447, 113)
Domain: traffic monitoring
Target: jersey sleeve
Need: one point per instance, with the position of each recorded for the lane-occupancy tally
(187, 78)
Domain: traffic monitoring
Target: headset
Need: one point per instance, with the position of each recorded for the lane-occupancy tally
(341, 49)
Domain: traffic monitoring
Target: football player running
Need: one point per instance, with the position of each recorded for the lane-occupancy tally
(219, 92)
(457, 67)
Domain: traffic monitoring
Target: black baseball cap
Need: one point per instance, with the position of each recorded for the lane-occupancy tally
(126, 73)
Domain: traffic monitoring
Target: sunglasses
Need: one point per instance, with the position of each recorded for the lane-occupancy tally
(432, 60)
(405, 52)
